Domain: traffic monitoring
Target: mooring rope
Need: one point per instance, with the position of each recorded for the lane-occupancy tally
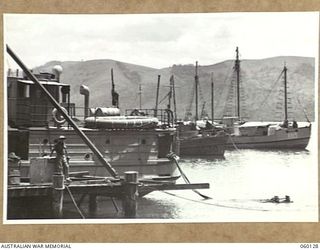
(234, 145)
(174, 157)
(113, 202)
(74, 203)
(115, 205)
(215, 204)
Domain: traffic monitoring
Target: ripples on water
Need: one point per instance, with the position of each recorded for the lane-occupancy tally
(239, 185)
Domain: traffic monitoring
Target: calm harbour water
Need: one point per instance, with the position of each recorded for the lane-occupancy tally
(239, 184)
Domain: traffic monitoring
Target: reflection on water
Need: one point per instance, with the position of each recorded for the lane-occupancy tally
(240, 183)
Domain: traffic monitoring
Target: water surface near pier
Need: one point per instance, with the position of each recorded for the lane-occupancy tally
(239, 185)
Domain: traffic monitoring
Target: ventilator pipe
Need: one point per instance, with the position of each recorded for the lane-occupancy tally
(84, 90)
(57, 71)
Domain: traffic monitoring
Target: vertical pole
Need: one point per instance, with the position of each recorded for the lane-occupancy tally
(140, 93)
(84, 90)
(237, 68)
(196, 78)
(170, 93)
(129, 201)
(71, 114)
(114, 94)
(93, 205)
(285, 94)
(57, 195)
(112, 80)
(86, 106)
(174, 99)
(157, 97)
(212, 99)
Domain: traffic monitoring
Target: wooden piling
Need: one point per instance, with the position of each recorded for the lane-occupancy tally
(129, 200)
(57, 195)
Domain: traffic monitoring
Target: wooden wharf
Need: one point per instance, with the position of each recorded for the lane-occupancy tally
(127, 190)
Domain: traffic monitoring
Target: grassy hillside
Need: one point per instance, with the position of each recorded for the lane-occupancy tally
(260, 95)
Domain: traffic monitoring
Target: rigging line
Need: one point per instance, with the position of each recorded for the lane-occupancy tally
(230, 89)
(190, 103)
(234, 145)
(271, 90)
(203, 110)
(215, 204)
(227, 75)
(74, 202)
(164, 97)
(303, 109)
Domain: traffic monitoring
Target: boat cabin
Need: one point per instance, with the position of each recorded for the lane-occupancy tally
(28, 106)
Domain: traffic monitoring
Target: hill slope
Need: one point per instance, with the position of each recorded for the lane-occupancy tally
(259, 89)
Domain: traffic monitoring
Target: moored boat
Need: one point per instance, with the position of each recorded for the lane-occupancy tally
(128, 143)
(253, 135)
(265, 135)
(207, 141)
(201, 142)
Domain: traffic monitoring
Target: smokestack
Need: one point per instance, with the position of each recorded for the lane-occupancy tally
(84, 90)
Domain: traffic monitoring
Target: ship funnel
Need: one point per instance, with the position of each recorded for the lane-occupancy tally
(57, 71)
(84, 90)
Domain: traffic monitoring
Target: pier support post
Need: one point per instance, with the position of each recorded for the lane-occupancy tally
(129, 200)
(93, 204)
(57, 195)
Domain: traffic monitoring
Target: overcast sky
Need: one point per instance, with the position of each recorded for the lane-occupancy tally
(160, 40)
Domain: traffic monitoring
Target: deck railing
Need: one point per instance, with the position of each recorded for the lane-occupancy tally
(26, 113)
(165, 116)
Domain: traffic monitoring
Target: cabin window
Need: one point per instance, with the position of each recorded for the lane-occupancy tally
(143, 141)
(108, 141)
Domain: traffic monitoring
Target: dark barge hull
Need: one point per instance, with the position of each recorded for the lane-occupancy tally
(203, 145)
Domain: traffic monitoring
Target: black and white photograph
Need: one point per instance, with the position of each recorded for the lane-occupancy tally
(161, 118)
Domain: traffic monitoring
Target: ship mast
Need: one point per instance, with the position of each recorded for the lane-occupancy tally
(212, 98)
(114, 94)
(196, 78)
(237, 69)
(285, 94)
(157, 96)
(173, 95)
(140, 94)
